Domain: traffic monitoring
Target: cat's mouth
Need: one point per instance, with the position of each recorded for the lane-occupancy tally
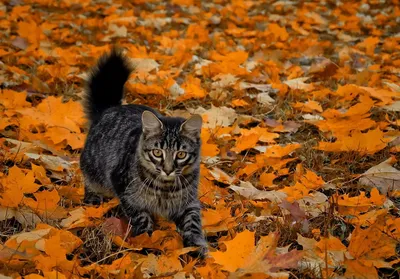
(168, 177)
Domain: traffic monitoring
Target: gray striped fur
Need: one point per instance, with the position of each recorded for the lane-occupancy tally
(118, 157)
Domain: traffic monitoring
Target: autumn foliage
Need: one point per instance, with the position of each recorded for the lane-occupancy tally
(300, 101)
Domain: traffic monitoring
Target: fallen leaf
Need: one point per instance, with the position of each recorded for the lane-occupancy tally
(298, 83)
(144, 65)
(242, 244)
(364, 143)
(217, 116)
(247, 190)
(354, 205)
(382, 176)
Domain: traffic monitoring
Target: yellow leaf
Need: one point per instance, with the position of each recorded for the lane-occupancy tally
(364, 143)
(309, 106)
(31, 32)
(239, 103)
(40, 174)
(193, 89)
(16, 185)
(237, 251)
(279, 32)
(208, 149)
(245, 142)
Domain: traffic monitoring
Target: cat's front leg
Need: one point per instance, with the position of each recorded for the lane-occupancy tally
(140, 220)
(189, 223)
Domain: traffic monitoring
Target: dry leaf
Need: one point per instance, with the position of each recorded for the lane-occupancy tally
(298, 83)
(382, 176)
(277, 89)
(250, 192)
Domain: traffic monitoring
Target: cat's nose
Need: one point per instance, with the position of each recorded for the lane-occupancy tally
(168, 172)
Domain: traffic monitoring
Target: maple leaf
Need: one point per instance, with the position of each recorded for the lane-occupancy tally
(254, 259)
(309, 106)
(263, 134)
(12, 100)
(245, 142)
(257, 87)
(368, 248)
(40, 174)
(364, 143)
(247, 190)
(239, 103)
(16, 184)
(341, 124)
(353, 205)
(209, 193)
(208, 149)
(267, 179)
(216, 116)
(46, 204)
(243, 244)
(63, 121)
(299, 83)
(382, 176)
(311, 180)
(219, 220)
(144, 65)
(31, 32)
(192, 89)
(219, 175)
(279, 32)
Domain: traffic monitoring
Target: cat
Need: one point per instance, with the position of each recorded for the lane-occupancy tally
(149, 161)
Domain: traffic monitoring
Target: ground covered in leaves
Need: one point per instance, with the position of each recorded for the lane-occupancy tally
(301, 108)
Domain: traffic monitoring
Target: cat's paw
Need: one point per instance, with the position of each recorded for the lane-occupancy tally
(200, 253)
(140, 230)
(200, 243)
(92, 198)
(142, 225)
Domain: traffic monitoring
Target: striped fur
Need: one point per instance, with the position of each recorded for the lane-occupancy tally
(118, 158)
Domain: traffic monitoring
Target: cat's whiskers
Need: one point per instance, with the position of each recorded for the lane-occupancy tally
(181, 194)
(176, 182)
(184, 189)
(148, 191)
(144, 188)
(155, 182)
(132, 181)
(141, 187)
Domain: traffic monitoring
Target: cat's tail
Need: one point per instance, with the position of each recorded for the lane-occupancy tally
(105, 86)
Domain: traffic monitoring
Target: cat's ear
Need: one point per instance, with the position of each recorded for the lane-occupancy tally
(192, 126)
(150, 123)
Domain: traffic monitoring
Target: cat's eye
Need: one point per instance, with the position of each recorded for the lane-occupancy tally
(157, 152)
(181, 155)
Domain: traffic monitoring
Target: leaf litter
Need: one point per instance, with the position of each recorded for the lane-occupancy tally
(299, 171)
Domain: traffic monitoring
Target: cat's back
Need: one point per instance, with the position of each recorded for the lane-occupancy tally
(120, 119)
(116, 128)
(113, 137)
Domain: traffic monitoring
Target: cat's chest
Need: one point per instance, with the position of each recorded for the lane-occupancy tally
(166, 203)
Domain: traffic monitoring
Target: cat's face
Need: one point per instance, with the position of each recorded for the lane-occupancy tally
(171, 147)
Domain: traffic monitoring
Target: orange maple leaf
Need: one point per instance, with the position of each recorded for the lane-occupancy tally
(364, 143)
(15, 185)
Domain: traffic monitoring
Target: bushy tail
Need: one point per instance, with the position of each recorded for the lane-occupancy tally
(105, 87)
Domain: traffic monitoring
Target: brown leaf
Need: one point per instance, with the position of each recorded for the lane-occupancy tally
(247, 190)
(382, 176)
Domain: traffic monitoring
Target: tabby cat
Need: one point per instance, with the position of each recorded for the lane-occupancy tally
(149, 161)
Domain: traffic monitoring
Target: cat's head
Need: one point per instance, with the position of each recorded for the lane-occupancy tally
(171, 145)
